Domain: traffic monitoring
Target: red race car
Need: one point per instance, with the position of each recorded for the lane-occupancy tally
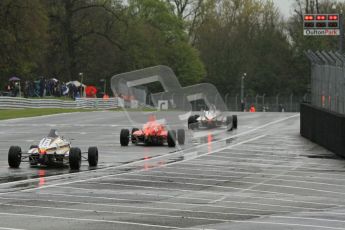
(152, 133)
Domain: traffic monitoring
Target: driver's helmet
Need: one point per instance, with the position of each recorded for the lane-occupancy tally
(213, 108)
(53, 133)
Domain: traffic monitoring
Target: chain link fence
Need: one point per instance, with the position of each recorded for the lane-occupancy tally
(263, 103)
(327, 80)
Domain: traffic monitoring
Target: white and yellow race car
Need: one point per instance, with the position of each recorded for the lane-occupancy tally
(52, 150)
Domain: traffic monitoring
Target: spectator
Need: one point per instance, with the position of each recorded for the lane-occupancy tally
(42, 87)
(252, 109)
(281, 108)
(242, 106)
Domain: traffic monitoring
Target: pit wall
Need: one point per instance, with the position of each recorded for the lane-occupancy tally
(323, 127)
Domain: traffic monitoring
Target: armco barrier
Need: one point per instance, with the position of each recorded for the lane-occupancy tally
(324, 128)
(99, 103)
(17, 102)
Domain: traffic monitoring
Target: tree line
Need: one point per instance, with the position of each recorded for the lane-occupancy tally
(214, 41)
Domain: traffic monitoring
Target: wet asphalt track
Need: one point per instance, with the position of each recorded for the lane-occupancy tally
(261, 176)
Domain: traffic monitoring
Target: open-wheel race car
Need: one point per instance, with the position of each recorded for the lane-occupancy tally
(152, 133)
(52, 150)
(212, 119)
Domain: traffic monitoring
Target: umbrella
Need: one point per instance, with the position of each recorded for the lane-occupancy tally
(65, 90)
(76, 83)
(14, 78)
(90, 91)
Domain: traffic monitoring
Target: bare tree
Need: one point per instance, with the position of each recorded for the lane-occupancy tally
(191, 12)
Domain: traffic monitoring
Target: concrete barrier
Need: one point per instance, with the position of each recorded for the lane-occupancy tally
(323, 127)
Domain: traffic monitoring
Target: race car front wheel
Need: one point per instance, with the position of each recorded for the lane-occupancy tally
(14, 156)
(92, 156)
(133, 139)
(181, 136)
(124, 137)
(75, 158)
(193, 122)
(171, 139)
(234, 121)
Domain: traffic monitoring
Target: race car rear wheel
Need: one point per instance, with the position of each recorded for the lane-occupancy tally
(14, 156)
(181, 136)
(234, 121)
(92, 154)
(193, 122)
(75, 158)
(190, 122)
(171, 139)
(133, 139)
(124, 137)
(229, 123)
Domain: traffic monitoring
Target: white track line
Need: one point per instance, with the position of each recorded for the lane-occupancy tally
(138, 207)
(3, 228)
(273, 143)
(286, 152)
(222, 174)
(288, 224)
(166, 209)
(209, 204)
(170, 216)
(246, 177)
(186, 191)
(266, 167)
(92, 220)
(162, 226)
(274, 148)
(216, 159)
(201, 199)
(114, 212)
(303, 168)
(256, 156)
(221, 186)
(229, 158)
(308, 218)
(166, 202)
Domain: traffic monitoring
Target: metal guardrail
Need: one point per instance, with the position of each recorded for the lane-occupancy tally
(99, 103)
